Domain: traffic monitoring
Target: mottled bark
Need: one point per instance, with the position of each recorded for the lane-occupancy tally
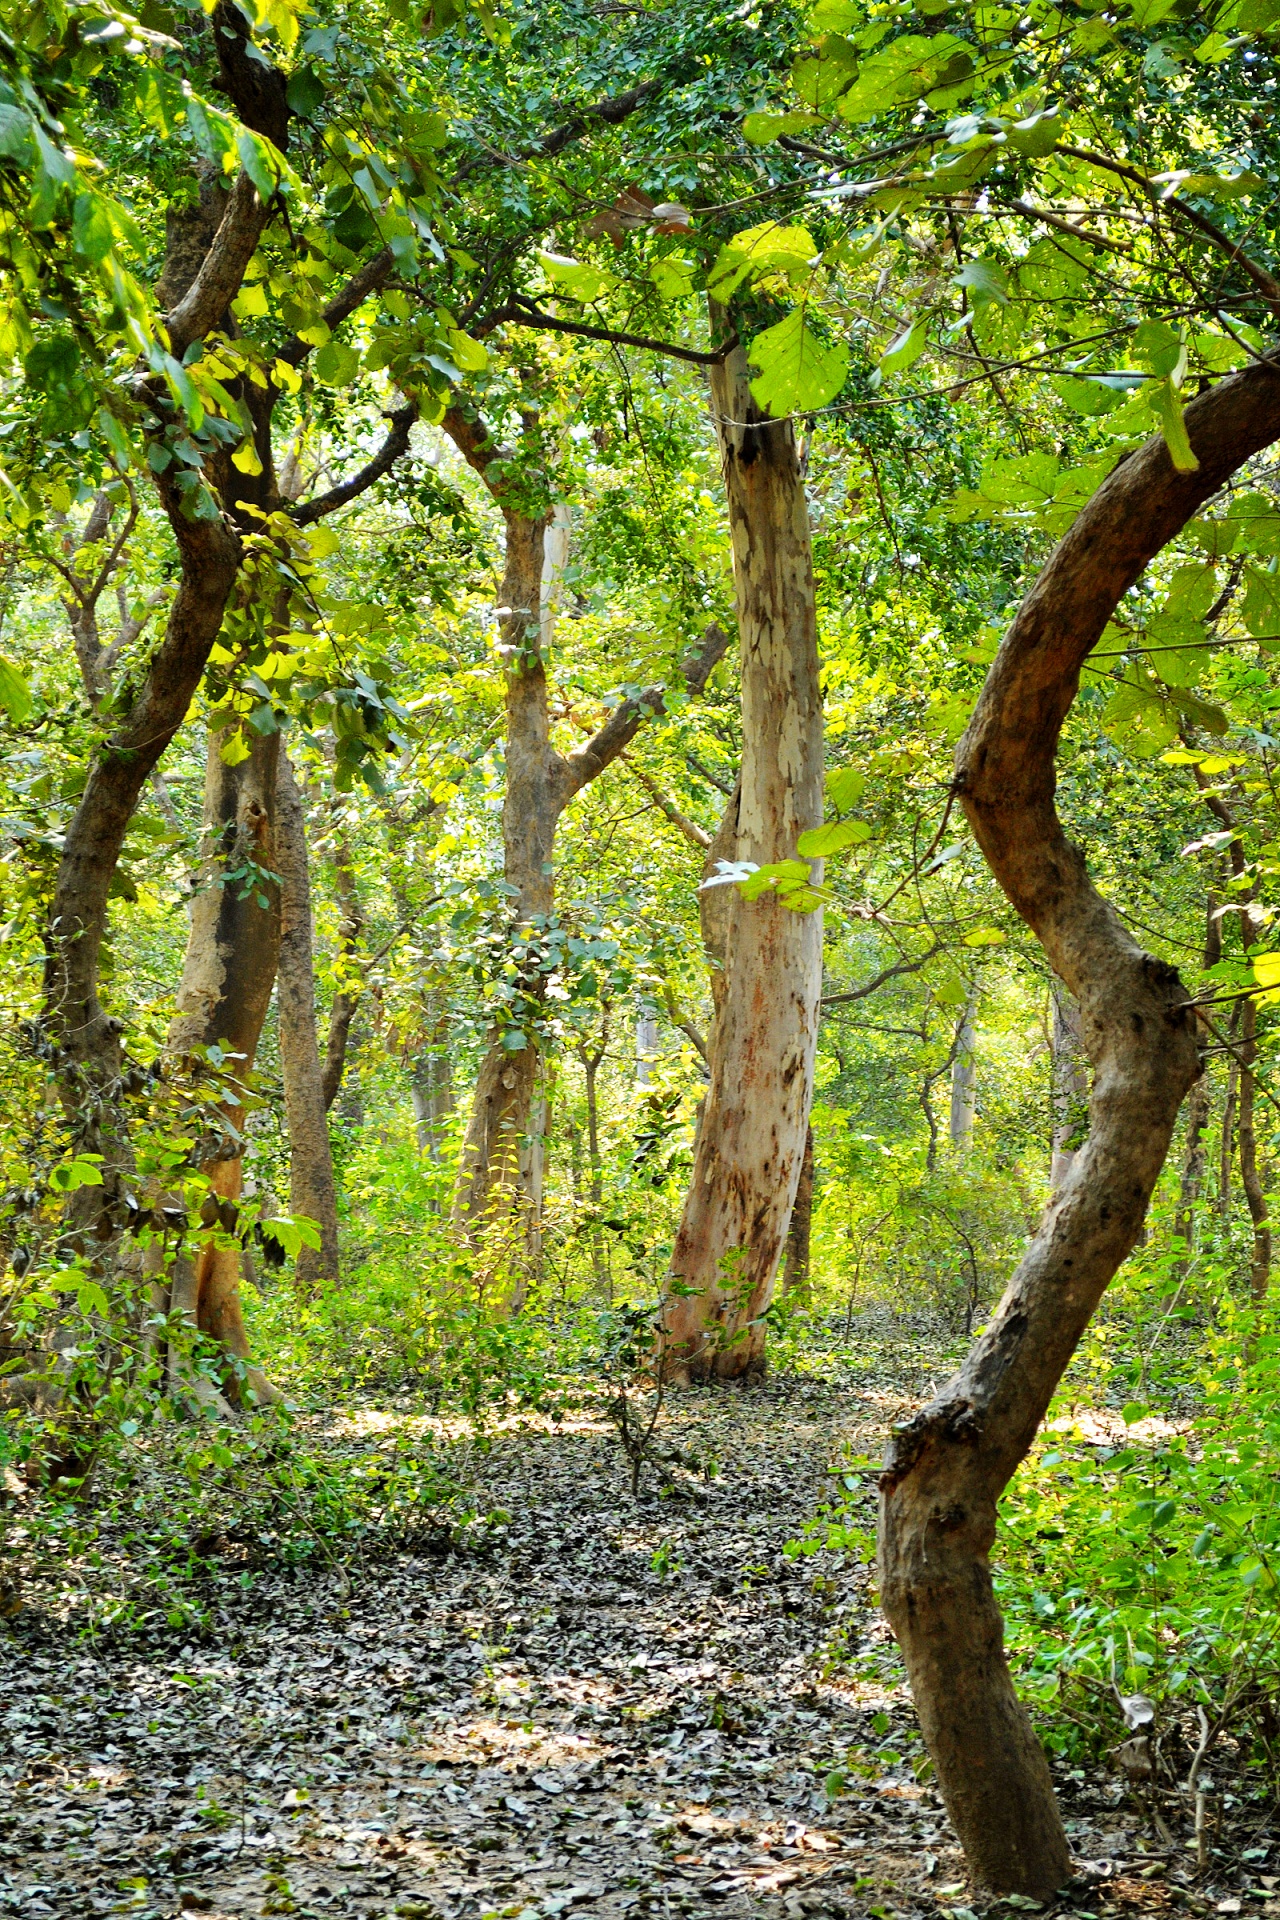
(964, 1110)
(947, 1467)
(233, 947)
(540, 783)
(751, 1141)
(312, 1189)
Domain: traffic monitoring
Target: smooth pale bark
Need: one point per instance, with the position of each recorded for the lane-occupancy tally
(751, 1141)
(964, 1108)
(312, 1188)
(1070, 1071)
(946, 1468)
(497, 1168)
(233, 947)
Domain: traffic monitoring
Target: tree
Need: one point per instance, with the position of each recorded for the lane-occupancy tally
(946, 1468)
(750, 1146)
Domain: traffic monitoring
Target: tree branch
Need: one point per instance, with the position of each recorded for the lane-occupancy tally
(872, 985)
(222, 269)
(696, 835)
(518, 314)
(393, 448)
(623, 724)
(366, 280)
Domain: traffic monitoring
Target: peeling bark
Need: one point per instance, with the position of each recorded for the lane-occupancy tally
(946, 1467)
(751, 1141)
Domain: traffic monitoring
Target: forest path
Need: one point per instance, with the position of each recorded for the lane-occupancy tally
(543, 1725)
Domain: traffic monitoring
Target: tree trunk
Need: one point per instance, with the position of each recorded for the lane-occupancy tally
(796, 1280)
(751, 1140)
(591, 1063)
(490, 1183)
(963, 1074)
(1070, 1084)
(347, 998)
(431, 1088)
(1227, 1144)
(947, 1467)
(233, 948)
(1260, 1266)
(540, 783)
(1193, 1162)
(312, 1190)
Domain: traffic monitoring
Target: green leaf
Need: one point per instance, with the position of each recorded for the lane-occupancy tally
(906, 347)
(1166, 404)
(845, 787)
(583, 282)
(821, 78)
(255, 157)
(235, 750)
(761, 128)
(1134, 1412)
(469, 354)
(797, 371)
(1036, 136)
(818, 842)
(984, 937)
(91, 1299)
(305, 92)
(336, 364)
(15, 694)
(985, 282)
(1261, 609)
(15, 135)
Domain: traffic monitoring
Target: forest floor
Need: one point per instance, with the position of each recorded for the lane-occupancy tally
(609, 1706)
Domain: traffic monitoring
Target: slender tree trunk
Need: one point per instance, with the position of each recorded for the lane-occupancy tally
(1193, 1161)
(1227, 1144)
(963, 1075)
(591, 1063)
(312, 1190)
(947, 1467)
(1260, 1266)
(233, 948)
(796, 1278)
(490, 1183)
(431, 1090)
(347, 998)
(751, 1142)
(1070, 1084)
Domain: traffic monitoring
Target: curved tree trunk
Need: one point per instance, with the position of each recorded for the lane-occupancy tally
(233, 948)
(312, 1190)
(751, 1141)
(946, 1468)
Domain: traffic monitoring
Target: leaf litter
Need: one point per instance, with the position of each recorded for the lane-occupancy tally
(595, 1705)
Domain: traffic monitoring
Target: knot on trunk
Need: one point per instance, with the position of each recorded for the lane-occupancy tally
(944, 1421)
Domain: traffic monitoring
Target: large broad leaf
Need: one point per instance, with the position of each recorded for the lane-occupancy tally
(758, 251)
(761, 128)
(15, 694)
(821, 841)
(1166, 403)
(797, 370)
(572, 276)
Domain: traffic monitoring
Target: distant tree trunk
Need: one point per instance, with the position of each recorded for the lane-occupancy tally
(963, 1075)
(751, 1140)
(1227, 1144)
(592, 1058)
(347, 998)
(312, 1189)
(1070, 1084)
(1193, 1161)
(1260, 1266)
(233, 947)
(796, 1278)
(431, 1089)
(947, 1467)
(540, 783)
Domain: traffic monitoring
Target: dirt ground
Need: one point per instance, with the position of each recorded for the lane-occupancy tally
(606, 1706)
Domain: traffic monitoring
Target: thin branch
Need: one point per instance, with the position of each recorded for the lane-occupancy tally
(366, 280)
(221, 270)
(696, 835)
(393, 448)
(873, 985)
(517, 314)
(620, 729)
